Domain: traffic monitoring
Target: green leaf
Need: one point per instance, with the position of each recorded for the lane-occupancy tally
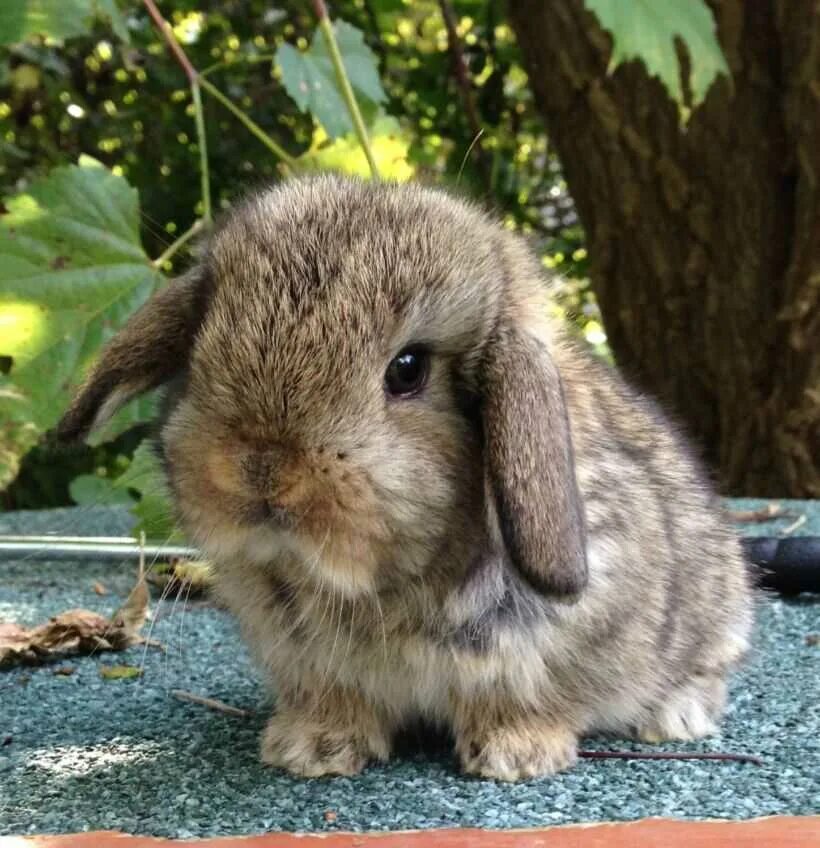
(310, 80)
(646, 30)
(388, 6)
(119, 672)
(72, 270)
(137, 411)
(142, 485)
(91, 490)
(389, 144)
(57, 19)
(153, 510)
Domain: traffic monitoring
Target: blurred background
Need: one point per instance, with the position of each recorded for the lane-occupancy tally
(663, 158)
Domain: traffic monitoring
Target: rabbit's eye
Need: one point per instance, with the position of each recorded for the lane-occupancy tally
(407, 373)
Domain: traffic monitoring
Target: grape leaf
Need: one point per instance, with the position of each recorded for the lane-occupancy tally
(389, 144)
(153, 509)
(309, 78)
(72, 270)
(142, 486)
(646, 30)
(57, 19)
(91, 490)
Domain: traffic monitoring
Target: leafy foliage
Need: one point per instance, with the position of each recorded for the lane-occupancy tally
(309, 78)
(75, 241)
(71, 270)
(141, 486)
(145, 479)
(57, 19)
(646, 30)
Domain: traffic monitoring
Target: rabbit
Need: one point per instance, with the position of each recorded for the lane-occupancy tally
(423, 500)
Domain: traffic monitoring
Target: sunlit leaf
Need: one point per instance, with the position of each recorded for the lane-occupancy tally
(72, 269)
(646, 30)
(57, 19)
(309, 78)
(389, 144)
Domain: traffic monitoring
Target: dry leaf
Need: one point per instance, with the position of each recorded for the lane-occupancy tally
(64, 670)
(119, 672)
(193, 577)
(132, 614)
(99, 588)
(76, 631)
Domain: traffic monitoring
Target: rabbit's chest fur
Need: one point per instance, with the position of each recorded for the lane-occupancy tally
(417, 650)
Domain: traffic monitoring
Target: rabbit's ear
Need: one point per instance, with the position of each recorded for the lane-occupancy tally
(530, 464)
(150, 349)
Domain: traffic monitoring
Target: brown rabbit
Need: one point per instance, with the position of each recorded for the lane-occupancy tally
(420, 499)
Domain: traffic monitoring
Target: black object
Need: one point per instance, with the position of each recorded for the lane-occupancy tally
(790, 565)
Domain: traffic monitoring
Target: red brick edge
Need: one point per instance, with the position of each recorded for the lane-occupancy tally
(775, 831)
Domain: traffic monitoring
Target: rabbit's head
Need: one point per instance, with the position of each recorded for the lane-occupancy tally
(355, 372)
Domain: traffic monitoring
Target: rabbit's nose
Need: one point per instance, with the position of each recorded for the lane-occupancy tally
(260, 469)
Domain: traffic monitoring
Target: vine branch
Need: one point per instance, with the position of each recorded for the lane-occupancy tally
(344, 83)
(179, 243)
(248, 123)
(204, 169)
(197, 81)
(168, 34)
(464, 85)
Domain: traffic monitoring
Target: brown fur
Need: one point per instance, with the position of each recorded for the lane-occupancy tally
(523, 552)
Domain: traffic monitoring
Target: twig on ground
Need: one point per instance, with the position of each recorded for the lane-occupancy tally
(668, 755)
(801, 520)
(765, 513)
(211, 703)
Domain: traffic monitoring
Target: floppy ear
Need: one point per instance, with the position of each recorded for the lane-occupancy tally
(531, 466)
(147, 351)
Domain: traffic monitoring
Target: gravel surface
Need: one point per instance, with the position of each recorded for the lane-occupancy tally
(81, 752)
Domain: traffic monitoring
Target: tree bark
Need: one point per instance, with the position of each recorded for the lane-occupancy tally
(704, 241)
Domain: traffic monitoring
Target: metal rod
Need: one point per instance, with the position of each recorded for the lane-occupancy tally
(87, 547)
(49, 539)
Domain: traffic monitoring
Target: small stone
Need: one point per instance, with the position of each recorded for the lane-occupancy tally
(330, 816)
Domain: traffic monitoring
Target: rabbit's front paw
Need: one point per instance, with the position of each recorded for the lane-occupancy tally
(518, 751)
(688, 713)
(310, 748)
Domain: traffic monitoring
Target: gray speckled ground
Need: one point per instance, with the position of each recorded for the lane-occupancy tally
(80, 752)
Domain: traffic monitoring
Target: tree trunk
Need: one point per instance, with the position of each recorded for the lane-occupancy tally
(704, 242)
